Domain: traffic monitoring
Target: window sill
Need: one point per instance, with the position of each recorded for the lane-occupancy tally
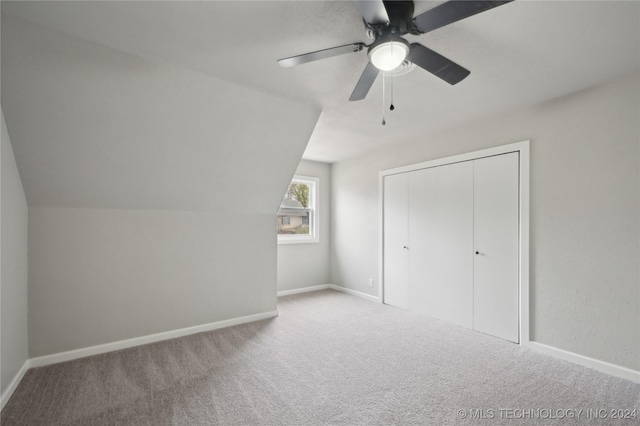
(299, 240)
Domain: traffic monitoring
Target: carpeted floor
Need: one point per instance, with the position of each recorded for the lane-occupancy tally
(329, 358)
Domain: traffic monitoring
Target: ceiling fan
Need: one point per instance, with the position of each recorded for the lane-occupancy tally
(386, 22)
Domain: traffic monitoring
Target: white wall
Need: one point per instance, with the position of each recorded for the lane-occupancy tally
(99, 276)
(585, 210)
(13, 254)
(152, 190)
(306, 265)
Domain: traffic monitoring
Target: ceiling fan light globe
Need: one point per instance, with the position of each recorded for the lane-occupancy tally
(389, 55)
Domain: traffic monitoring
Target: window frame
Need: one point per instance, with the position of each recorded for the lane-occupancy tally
(314, 225)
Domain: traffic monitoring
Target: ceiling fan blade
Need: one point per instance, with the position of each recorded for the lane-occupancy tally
(373, 11)
(320, 54)
(364, 84)
(452, 11)
(437, 64)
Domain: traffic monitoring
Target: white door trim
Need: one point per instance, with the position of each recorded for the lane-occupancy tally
(523, 149)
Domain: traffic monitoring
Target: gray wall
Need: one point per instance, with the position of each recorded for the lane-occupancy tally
(585, 281)
(99, 276)
(152, 189)
(305, 265)
(13, 280)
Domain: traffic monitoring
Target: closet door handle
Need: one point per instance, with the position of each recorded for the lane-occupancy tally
(405, 247)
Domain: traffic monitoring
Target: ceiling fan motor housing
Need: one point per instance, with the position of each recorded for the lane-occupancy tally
(400, 15)
(400, 21)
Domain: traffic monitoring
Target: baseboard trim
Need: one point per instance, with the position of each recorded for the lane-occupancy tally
(137, 341)
(303, 290)
(14, 384)
(585, 361)
(355, 293)
(332, 287)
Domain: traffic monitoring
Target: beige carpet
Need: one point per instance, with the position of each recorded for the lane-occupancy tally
(330, 358)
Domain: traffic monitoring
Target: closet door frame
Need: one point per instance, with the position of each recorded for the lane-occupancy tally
(523, 218)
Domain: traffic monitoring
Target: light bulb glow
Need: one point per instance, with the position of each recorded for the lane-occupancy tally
(389, 55)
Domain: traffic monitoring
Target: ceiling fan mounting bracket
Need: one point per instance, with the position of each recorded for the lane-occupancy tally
(373, 31)
(413, 29)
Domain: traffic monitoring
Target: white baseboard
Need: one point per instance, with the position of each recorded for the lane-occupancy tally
(14, 384)
(331, 286)
(137, 341)
(303, 290)
(355, 293)
(596, 364)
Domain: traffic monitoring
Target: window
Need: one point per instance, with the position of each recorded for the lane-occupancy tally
(298, 214)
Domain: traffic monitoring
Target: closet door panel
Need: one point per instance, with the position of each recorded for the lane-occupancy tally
(453, 254)
(395, 238)
(496, 242)
(423, 242)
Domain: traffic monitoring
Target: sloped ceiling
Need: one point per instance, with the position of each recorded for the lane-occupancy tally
(519, 54)
(95, 127)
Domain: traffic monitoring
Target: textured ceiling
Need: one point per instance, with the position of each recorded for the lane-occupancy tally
(519, 54)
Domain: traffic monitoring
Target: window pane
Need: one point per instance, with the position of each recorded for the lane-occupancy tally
(293, 221)
(296, 219)
(297, 195)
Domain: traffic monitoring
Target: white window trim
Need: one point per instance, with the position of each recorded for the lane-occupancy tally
(314, 226)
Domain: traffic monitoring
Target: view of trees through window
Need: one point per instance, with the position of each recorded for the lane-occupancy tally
(295, 213)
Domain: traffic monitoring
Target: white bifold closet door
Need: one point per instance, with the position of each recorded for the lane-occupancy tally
(396, 199)
(440, 279)
(496, 240)
(451, 243)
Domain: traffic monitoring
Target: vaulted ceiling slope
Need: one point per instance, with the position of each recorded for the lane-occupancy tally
(95, 127)
(519, 54)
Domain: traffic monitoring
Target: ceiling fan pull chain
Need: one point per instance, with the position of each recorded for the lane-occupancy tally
(384, 123)
(391, 108)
